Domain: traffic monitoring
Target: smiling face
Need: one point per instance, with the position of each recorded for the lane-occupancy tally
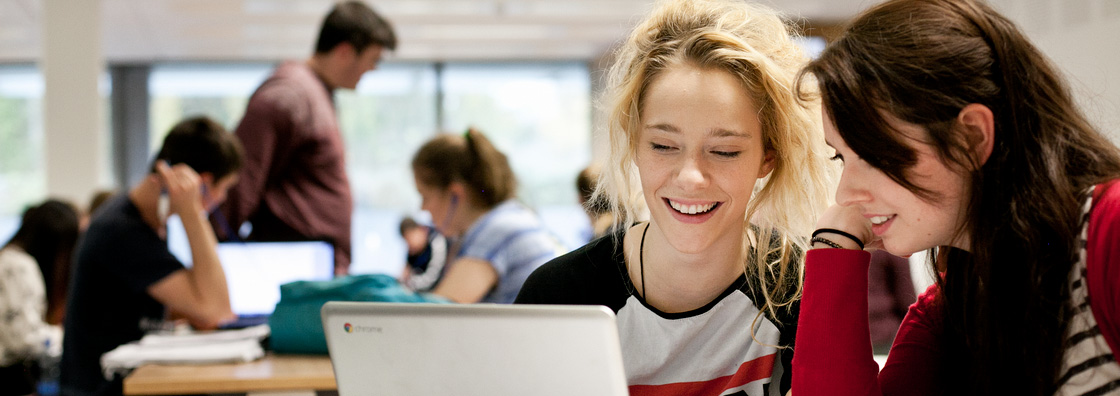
(699, 154)
(906, 223)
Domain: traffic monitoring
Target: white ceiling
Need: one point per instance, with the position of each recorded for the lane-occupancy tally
(217, 30)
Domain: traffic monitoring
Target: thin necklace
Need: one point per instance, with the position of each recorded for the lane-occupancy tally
(642, 261)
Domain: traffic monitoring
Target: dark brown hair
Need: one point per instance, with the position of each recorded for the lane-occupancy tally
(470, 159)
(921, 62)
(355, 23)
(202, 144)
(586, 181)
(48, 233)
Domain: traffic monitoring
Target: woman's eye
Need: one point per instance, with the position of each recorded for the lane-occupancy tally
(660, 147)
(727, 154)
(837, 157)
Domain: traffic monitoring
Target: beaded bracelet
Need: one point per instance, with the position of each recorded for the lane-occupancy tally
(840, 233)
(831, 244)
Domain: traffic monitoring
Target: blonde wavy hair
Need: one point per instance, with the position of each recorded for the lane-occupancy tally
(752, 43)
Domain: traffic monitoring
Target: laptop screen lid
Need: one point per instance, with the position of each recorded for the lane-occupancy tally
(473, 349)
(255, 271)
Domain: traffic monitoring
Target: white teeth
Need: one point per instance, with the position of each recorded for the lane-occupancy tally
(880, 219)
(692, 209)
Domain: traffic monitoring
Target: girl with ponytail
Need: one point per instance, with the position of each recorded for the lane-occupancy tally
(467, 186)
(958, 136)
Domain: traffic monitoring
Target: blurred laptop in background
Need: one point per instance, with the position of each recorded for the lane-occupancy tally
(255, 270)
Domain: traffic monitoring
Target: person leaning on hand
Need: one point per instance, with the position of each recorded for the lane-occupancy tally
(958, 136)
(125, 279)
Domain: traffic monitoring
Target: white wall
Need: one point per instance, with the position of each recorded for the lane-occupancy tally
(1080, 38)
(72, 63)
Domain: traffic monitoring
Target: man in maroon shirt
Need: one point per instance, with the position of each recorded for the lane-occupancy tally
(294, 185)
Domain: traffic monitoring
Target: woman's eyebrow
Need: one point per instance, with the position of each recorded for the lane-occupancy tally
(664, 127)
(723, 132)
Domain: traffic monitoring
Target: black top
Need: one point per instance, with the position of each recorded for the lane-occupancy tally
(662, 350)
(116, 261)
(594, 274)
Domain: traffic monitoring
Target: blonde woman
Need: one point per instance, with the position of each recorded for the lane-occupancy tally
(716, 173)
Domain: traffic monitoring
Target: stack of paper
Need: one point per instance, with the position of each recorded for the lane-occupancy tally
(226, 346)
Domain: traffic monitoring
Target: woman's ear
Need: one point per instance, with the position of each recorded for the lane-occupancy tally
(457, 191)
(978, 124)
(768, 162)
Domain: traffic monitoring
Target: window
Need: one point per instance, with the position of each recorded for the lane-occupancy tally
(220, 92)
(384, 121)
(22, 163)
(539, 115)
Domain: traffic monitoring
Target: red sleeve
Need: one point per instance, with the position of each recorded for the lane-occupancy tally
(1103, 261)
(911, 367)
(832, 353)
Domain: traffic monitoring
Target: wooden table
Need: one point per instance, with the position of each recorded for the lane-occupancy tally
(304, 374)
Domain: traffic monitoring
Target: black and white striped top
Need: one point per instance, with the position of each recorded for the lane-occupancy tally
(1088, 364)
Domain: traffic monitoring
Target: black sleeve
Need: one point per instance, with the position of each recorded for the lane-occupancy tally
(555, 282)
(788, 338)
(589, 275)
(538, 288)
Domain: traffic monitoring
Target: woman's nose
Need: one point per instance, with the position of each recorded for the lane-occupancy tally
(692, 172)
(851, 189)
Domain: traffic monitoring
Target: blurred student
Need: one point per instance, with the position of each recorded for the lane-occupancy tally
(707, 133)
(426, 256)
(468, 187)
(125, 279)
(596, 207)
(34, 271)
(956, 134)
(99, 198)
(294, 185)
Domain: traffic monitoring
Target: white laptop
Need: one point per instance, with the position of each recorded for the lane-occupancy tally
(473, 349)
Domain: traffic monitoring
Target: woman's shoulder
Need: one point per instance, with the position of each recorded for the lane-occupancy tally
(1104, 221)
(597, 266)
(1106, 196)
(13, 255)
(17, 264)
(599, 255)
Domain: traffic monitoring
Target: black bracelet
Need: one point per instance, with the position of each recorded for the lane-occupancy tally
(840, 233)
(831, 244)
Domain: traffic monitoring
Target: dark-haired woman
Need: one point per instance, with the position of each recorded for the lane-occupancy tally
(34, 271)
(957, 135)
(468, 187)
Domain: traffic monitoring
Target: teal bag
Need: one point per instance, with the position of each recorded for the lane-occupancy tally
(296, 325)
